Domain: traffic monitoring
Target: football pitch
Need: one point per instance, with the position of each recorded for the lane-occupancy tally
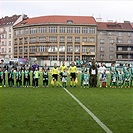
(53, 110)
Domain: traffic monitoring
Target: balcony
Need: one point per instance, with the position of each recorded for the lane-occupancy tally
(124, 44)
(41, 53)
(124, 52)
(124, 59)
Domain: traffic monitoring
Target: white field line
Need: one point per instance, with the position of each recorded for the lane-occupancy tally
(103, 126)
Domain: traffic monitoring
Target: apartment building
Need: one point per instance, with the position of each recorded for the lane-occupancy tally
(56, 38)
(6, 34)
(114, 42)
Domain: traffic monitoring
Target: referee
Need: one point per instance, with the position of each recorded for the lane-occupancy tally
(73, 72)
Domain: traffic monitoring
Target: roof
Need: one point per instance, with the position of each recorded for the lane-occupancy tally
(132, 25)
(9, 20)
(59, 19)
(113, 26)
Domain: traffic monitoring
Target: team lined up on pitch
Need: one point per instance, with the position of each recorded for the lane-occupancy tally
(118, 78)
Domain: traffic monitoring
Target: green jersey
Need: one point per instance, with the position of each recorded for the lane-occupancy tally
(124, 69)
(11, 74)
(26, 74)
(127, 75)
(120, 77)
(1, 75)
(112, 69)
(131, 70)
(18, 75)
(64, 76)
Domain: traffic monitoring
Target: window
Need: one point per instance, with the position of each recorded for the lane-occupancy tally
(62, 29)
(20, 40)
(69, 39)
(9, 50)
(52, 29)
(9, 29)
(129, 34)
(52, 49)
(52, 58)
(26, 40)
(119, 56)
(119, 48)
(111, 41)
(62, 39)
(3, 50)
(77, 39)
(9, 44)
(15, 41)
(111, 56)
(76, 57)
(33, 30)
(69, 58)
(84, 58)
(26, 31)
(129, 41)
(119, 33)
(25, 49)
(62, 58)
(16, 32)
(33, 40)
(77, 49)
(84, 39)
(101, 56)
(69, 48)
(85, 30)
(15, 50)
(21, 31)
(101, 41)
(32, 49)
(41, 48)
(69, 30)
(9, 36)
(111, 49)
(129, 56)
(4, 29)
(129, 48)
(53, 39)
(109, 33)
(119, 41)
(3, 36)
(92, 49)
(92, 30)
(77, 29)
(62, 49)
(20, 50)
(42, 29)
(102, 32)
(91, 39)
(101, 49)
(2, 43)
(85, 49)
(42, 39)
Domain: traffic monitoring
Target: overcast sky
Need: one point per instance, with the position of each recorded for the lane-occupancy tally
(107, 10)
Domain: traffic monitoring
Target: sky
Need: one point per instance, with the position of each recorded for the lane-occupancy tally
(107, 10)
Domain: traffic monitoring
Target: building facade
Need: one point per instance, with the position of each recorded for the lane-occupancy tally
(56, 38)
(114, 42)
(6, 34)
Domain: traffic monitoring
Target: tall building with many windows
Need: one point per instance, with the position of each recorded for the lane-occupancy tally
(6, 34)
(114, 42)
(56, 38)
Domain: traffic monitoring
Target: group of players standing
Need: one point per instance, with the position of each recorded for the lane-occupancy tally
(122, 77)
(118, 78)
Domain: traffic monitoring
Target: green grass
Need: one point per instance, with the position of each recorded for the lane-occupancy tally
(52, 110)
